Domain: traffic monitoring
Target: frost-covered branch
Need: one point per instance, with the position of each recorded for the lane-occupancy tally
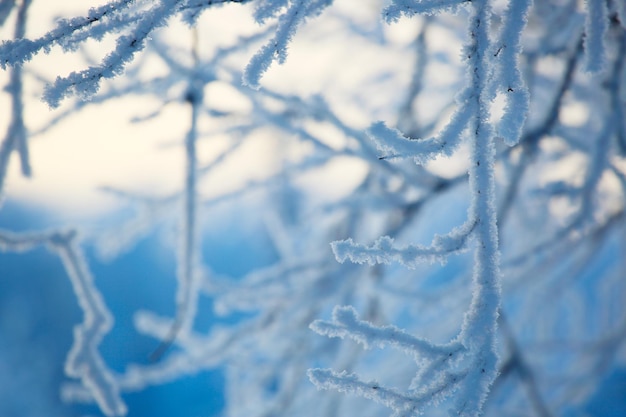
(347, 324)
(596, 26)
(508, 76)
(138, 19)
(477, 333)
(86, 83)
(21, 50)
(393, 144)
(276, 49)
(384, 251)
(410, 8)
(189, 257)
(84, 362)
(16, 135)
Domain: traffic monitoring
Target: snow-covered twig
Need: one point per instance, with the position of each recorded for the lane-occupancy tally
(84, 362)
